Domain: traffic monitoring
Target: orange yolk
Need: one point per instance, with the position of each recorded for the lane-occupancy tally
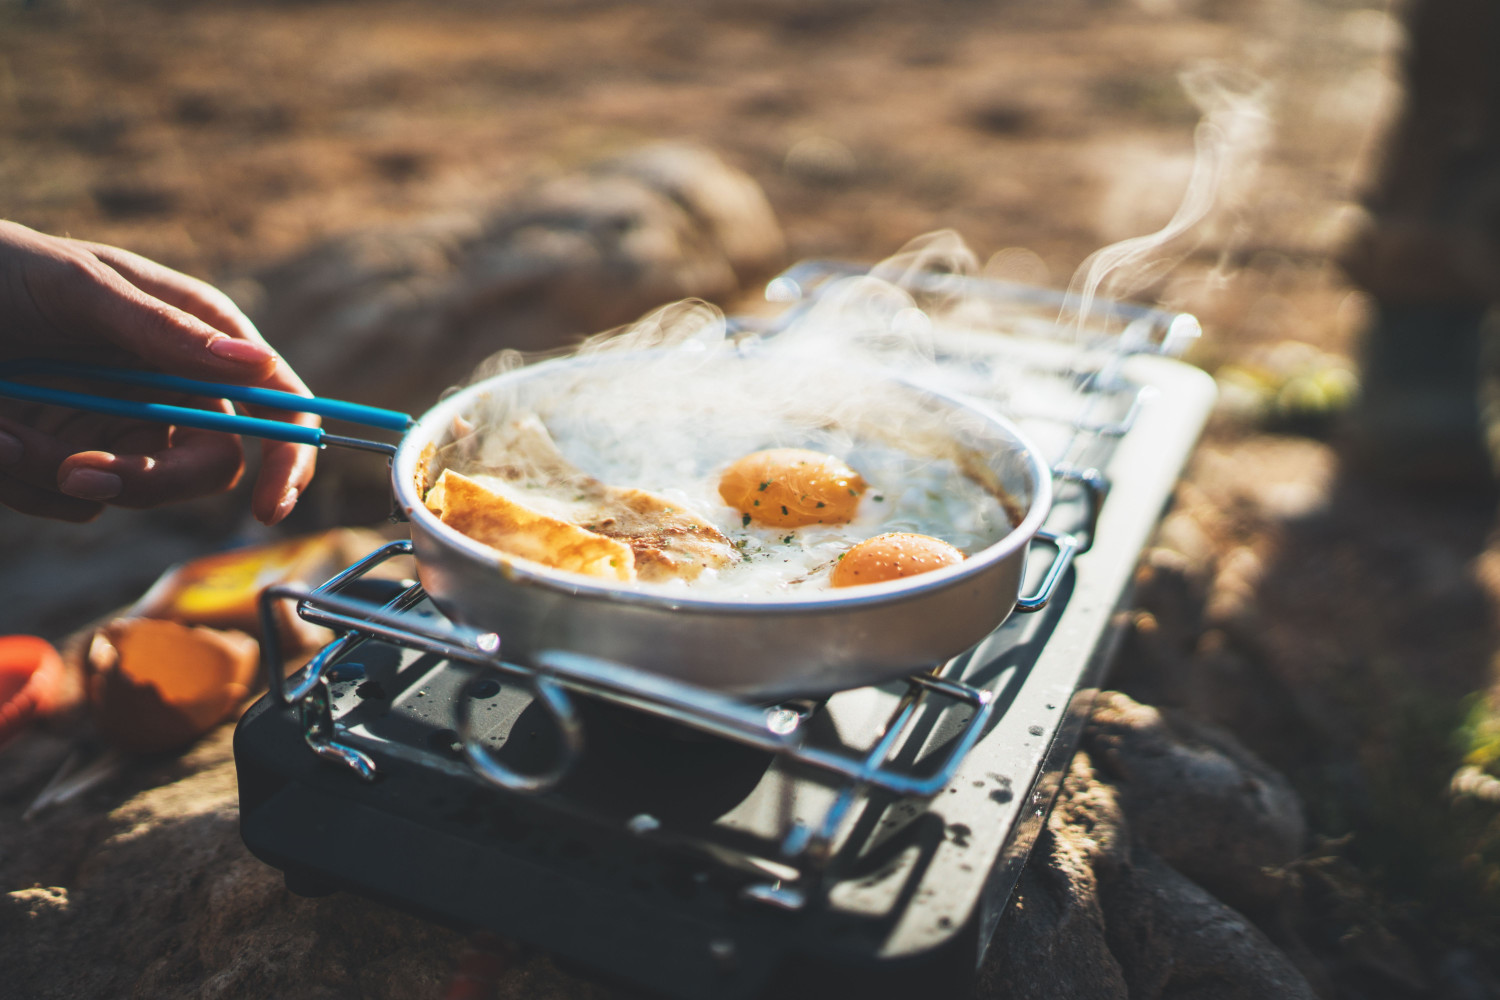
(790, 487)
(891, 557)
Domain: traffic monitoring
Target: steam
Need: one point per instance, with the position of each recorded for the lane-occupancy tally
(1229, 141)
(665, 400)
(670, 399)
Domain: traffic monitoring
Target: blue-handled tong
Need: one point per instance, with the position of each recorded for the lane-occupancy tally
(187, 416)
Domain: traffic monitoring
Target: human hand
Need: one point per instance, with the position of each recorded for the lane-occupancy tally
(68, 299)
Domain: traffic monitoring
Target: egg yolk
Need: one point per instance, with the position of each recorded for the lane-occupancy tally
(891, 557)
(790, 487)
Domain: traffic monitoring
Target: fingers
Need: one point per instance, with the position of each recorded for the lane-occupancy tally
(286, 469)
(28, 476)
(166, 337)
(30, 456)
(28, 499)
(201, 300)
(177, 289)
(198, 463)
(191, 464)
(91, 300)
(64, 297)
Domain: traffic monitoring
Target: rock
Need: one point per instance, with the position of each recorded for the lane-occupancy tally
(1462, 976)
(28, 907)
(1200, 800)
(1052, 941)
(1174, 941)
(1105, 910)
(732, 206)
(165, 902)
(394, 316)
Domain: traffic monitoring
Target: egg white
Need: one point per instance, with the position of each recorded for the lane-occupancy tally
(906, 493)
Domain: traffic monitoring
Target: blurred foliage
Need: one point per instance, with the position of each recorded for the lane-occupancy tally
(1477, 738)
(1290, 387)
(1417, 863)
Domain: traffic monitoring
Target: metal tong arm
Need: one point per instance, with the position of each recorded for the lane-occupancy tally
(187, 416)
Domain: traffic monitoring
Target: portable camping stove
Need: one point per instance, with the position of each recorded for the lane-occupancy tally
(696, 846)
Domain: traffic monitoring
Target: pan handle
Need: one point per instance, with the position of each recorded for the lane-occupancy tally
(1067, 547)
(187, 416)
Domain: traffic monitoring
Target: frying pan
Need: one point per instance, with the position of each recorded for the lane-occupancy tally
(762, 650)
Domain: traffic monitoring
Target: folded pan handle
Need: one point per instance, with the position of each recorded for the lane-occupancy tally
(1067, 547)
(187, 416)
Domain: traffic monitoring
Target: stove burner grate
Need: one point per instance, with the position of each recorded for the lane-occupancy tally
(556, 676)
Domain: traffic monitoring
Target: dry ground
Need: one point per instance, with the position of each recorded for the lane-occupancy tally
(1336, 628)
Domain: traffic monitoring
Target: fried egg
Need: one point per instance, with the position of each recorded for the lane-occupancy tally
(792, 487)
(892, 556)
(904, 494)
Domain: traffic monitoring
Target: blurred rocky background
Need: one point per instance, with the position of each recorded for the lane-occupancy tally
(396, 189)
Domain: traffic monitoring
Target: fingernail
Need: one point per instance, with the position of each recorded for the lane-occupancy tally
(11, 449)
(92, 484)
(245, 352)
(288, 501)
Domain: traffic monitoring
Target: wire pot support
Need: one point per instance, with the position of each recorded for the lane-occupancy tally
(556, 675)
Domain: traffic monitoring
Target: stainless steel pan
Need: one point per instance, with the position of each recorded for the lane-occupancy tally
(760, 650)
